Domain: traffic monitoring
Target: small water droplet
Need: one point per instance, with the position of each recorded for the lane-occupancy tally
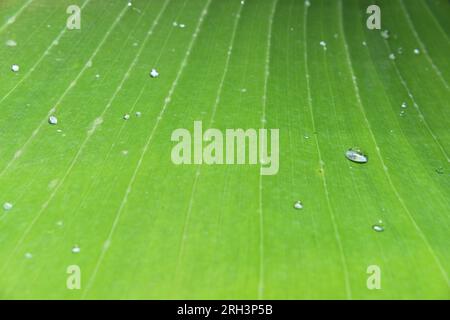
(307, 3)
(404, 105)
(323, 44)
(52, 120)
(416, 51)
(76, 249)
(11, 43)
(28, 255)
(138, 114)
(402, 113)
(60, 223)
(378, 228)
(356, 155)
(392, 56)
(126, 116)
(298, 205)
(154, 73)
(7, 206)
(385, 34)
(182, 25)
(364, 43)
(15, 68)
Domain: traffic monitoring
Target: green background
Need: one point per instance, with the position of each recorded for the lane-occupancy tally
(150, 229)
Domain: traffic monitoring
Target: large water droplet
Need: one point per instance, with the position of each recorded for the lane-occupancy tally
(356, 155)
(15, 68)
(298, 205)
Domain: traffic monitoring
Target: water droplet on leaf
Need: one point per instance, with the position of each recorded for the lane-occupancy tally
(356, 155)
(7, 206)
(52, 120)
(11, 43)
(378, 228)
(76, 249)
(385, 34)
(298, 205)
(154, 73)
